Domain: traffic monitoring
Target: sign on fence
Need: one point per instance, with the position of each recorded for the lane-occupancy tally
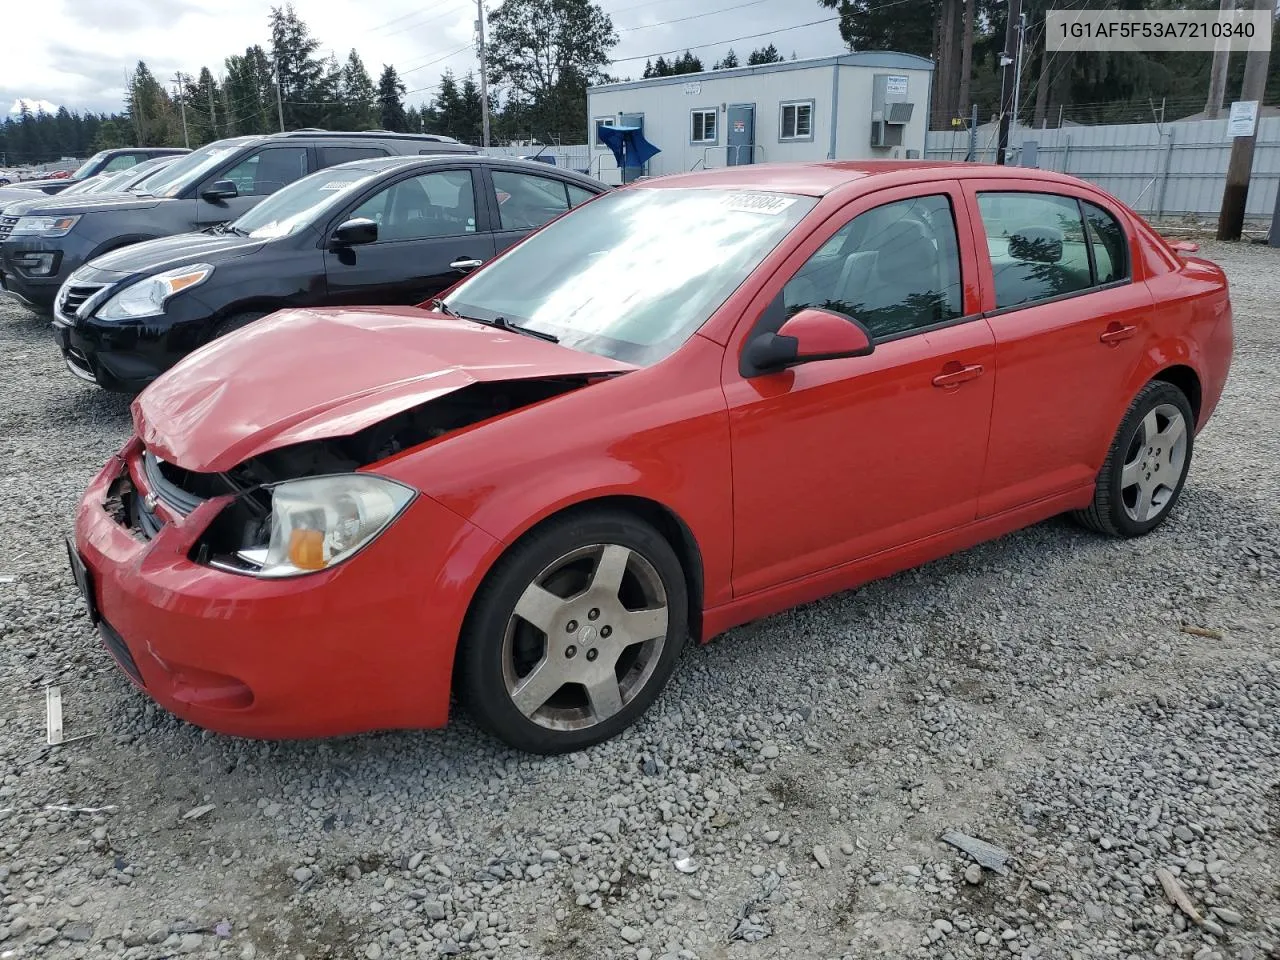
(1243, 120)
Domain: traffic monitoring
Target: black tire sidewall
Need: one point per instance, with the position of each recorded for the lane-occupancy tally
(481, 686)
(1151, 396)
(236, 322)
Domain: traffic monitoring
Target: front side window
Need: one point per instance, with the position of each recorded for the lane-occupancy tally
(189, 169)
(1037, 246)
(437, 204)
(263, 173)
(90, 166)
(635, 273)
(797, 121)
(121, 161)
(526, 201)
(896, 268)
(703, 126)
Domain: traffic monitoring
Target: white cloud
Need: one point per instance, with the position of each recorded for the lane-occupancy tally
(35, 106)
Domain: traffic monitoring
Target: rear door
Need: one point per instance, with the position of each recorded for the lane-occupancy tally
(522, 202)
(1069, 322)
(256, 175)
(432, 230)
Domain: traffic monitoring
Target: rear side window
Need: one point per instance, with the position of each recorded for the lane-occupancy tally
(263, 173)
(1037, 246)
(121, 161)
(1109, 244)
(332, 156)
(577, 195)
(526, 202)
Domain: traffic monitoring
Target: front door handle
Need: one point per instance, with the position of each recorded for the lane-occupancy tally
(1116, 332)
(465, 264)
(955, 373)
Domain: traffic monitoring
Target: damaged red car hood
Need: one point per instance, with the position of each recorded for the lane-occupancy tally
(309, 374)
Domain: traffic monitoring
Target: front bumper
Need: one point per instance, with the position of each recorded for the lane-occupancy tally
(366, 646)
(37, 288)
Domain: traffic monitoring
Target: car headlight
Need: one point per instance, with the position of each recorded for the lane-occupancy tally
(51, 227)
(319, 522)
(147, 297)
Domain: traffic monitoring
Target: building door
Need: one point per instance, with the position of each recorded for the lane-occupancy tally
(629, 172)
(741, 140)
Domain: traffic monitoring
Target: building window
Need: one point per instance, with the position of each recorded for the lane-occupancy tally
(796, 121)
(595, 129)
(703, 126)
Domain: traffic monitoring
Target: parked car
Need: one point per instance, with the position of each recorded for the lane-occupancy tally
(105, 161)
(392, 230)
(687, 404)
(122, 181)
(212, 185)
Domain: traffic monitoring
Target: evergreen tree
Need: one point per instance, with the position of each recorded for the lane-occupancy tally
(359, 98)
(391, 99)
(729, 61)
(770, 54)
(302, 76)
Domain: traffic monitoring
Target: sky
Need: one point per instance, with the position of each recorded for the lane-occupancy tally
(75, 53)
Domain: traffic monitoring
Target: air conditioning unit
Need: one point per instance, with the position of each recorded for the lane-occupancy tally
(890, 109)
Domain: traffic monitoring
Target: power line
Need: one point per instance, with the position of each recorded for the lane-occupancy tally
(696, 16)
(749, 36)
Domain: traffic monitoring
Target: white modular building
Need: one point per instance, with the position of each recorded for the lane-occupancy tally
(853, 106)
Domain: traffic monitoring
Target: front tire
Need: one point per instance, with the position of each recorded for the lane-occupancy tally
(1146, 467)
(574, 633)
(236, 322)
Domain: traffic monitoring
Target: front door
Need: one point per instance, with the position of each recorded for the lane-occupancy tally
(429, 237)
(632, 171)
(837, 460)
(1069, 324)
(741, 139)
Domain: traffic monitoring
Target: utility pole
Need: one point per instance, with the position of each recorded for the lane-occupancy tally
(484, 80)
(182, 106)
(1218, 73)
(213, 110)
(1240, 167)
(279, 100)
(1008, 91)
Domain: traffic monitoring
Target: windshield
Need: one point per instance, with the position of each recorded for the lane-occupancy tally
(89, 165)
(188, 169)
(633, 274)
(301, 203)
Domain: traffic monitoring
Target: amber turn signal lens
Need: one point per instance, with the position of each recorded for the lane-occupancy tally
(306, 549)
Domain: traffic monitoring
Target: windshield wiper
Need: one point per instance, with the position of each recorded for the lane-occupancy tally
(502, 323)
(438, 304)
(231, 228)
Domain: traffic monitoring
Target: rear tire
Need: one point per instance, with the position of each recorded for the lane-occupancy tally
(574, 633)
(1145, 469)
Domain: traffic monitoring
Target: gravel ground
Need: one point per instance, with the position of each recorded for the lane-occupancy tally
(784, 798)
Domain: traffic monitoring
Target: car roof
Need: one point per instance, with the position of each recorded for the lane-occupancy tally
(820, 178)
(381, 164)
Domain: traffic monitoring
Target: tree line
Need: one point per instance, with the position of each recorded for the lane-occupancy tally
(543, 54)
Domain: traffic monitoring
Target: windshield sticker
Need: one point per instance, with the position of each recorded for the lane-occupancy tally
(767, 203)
(337, 185)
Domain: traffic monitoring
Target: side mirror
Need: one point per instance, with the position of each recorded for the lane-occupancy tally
(221, 190)
(354, 232)
(809, 335)
(1185, 246)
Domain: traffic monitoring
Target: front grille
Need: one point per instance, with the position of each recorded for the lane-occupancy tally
(120, 650)
(6, 226)
(167, 491)
(74, 296)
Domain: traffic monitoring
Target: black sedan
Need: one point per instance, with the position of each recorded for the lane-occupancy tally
(393, 230)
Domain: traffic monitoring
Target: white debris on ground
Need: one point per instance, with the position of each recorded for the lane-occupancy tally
(785, 798)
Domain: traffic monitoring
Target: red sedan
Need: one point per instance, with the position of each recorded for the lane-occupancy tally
(684, 405)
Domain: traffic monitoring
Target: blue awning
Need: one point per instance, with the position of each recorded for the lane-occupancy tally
(628, 144)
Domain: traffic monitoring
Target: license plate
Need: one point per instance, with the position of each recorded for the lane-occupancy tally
(84, 580)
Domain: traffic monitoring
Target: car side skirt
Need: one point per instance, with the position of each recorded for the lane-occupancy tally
(717, 620)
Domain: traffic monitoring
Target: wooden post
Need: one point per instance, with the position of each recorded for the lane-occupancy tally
(1235, 194)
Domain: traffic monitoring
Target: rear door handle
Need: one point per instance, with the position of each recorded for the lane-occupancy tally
(465, 264)
(954, 374)
(1117, 332)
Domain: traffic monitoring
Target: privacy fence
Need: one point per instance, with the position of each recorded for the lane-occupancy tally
(1159, 169)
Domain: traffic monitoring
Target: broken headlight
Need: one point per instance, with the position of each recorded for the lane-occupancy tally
(319, 522)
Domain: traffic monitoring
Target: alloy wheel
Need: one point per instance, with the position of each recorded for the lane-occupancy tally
(585, 637)
(1154, 463)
